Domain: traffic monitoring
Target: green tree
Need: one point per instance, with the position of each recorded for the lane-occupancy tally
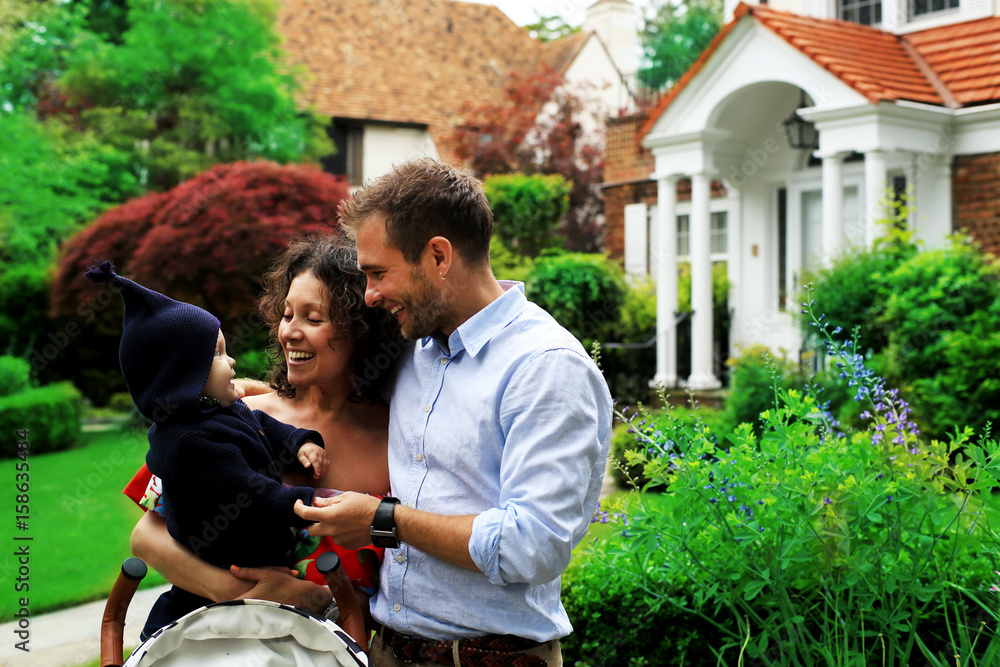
(193, 84)
(674, 36)
(550, 28)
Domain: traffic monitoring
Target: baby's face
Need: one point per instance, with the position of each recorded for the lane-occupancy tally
(220, 379)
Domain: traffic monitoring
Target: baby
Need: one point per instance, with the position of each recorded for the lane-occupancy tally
(220, 463)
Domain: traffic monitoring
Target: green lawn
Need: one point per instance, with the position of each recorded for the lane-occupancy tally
(80, 522)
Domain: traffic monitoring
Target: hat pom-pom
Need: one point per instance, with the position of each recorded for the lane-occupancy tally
(102, 272)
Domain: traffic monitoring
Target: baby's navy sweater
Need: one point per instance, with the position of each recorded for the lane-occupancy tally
(222, 492)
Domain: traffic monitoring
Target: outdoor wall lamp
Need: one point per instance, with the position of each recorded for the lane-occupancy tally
(800, 132)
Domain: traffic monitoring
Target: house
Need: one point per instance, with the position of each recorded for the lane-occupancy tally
(879, 96)
(394, 76)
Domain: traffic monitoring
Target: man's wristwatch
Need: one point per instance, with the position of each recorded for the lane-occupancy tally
(383, 531)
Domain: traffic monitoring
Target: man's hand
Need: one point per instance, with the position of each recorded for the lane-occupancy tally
(346, 518)
(313, 456)
(277, 585)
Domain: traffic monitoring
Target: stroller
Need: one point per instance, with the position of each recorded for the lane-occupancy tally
(241, 632)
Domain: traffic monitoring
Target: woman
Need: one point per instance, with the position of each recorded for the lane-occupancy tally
(331, 355)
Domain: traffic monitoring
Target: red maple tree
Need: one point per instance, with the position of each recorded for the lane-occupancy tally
(207, 241)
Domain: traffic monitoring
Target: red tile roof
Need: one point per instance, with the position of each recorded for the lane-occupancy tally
(962, 61)
(409, 62)
(965, 57)
(560, 53)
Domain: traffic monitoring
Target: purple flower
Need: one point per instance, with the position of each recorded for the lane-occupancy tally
(827, 501)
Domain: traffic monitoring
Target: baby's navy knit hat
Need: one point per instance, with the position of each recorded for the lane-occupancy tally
(167, 346)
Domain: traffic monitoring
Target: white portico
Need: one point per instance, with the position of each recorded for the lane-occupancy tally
(786, 210)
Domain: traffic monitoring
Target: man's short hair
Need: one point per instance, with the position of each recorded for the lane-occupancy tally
(421, 199)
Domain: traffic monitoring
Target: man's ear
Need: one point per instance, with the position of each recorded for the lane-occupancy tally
(442, 253)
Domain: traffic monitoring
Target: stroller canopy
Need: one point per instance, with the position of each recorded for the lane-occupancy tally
(245, 633)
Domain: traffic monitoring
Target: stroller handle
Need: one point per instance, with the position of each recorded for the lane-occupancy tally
(351, 619)
(113, 623)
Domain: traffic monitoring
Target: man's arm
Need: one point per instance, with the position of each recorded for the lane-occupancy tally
(347, 518)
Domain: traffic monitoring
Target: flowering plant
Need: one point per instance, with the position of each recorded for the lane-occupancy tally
(809, 544)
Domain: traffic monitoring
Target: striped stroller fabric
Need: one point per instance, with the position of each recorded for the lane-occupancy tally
(241, 633)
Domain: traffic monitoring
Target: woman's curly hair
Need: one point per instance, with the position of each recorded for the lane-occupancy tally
(333, 259)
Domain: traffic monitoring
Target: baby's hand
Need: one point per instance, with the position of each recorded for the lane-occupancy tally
(314, 456)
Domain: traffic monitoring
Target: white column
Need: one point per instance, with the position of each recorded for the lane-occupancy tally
(702, 375)
(666, 282)
(833, 206)
(875, 192)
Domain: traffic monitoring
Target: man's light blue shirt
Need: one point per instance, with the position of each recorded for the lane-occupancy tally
(511, 422)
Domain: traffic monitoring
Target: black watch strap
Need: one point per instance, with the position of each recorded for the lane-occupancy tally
(383, 530)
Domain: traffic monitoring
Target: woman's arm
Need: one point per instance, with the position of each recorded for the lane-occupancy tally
(152, 543)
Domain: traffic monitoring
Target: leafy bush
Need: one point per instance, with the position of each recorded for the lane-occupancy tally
(855, 288)
(615, 623)
(527, 209)
(506, 264)
(755, 378)
(819, 545)
(931, 320)
(627, 471)
(585, 293)
(53, 414)
(15, 375)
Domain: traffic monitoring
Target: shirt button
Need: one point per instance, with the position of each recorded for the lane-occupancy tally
(444, 361)
(427, 408)
(396, 607)
(420, 457)
(399, 559)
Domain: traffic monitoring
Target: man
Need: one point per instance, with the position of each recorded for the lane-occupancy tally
(498, 436)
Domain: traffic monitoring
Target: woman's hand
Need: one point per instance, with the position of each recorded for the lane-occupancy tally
(248, 387)
(346, 518)
(278, 585)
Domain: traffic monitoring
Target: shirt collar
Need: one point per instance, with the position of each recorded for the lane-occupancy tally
(473, 334)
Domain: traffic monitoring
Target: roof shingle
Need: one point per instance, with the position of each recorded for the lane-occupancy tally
(409, 62)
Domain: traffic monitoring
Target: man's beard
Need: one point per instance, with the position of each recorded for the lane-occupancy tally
(426, 311)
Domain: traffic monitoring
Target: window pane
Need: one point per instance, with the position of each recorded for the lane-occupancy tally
(683, 235)
(719, 233)
(866, 12)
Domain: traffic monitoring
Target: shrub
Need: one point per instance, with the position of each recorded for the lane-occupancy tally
(855, 288)
(820, 545)
(943, 318)
(755, 378)
(584, 293)
(24, 307)
(626, 441)
(52, 414)
(615, 623)
(15, 375)
(527, 209)
(506, 264)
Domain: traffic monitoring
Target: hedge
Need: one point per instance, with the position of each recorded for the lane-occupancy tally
(52, 415)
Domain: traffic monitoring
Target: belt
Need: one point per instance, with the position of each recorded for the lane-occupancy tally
(486, 651)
